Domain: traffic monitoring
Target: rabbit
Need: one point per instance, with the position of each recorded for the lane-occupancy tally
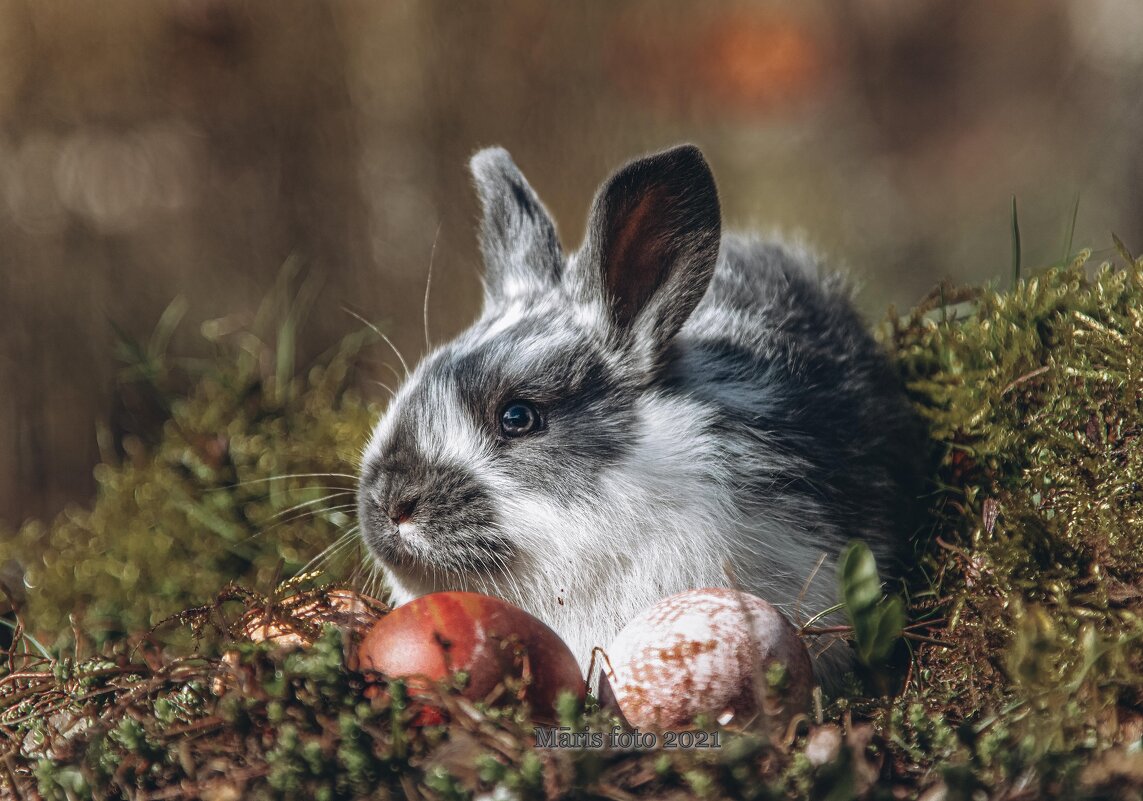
(666, 408)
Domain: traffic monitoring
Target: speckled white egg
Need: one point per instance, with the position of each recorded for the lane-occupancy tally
(708, 651)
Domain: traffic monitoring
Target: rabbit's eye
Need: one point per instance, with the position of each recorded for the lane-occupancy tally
(518, 418)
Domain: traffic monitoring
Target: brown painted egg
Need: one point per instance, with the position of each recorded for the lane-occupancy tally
(710, 652)
(432, 637)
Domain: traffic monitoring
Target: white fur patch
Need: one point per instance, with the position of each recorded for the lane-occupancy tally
(449, 434)
(502, 320)
(588, 316)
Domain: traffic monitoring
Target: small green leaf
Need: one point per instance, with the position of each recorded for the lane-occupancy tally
(860, 584)
(877, 620)
(885, 624)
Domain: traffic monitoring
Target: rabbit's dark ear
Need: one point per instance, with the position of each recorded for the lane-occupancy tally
(651, 247)
(517, 236)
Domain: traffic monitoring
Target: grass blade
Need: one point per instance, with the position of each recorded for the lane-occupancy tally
(1071, 232)
(1122, 248)
(1015, 244)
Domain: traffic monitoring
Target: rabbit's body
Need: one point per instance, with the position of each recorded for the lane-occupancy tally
(722, 416)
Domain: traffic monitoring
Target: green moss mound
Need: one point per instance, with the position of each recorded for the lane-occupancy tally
(1036, 557)
(250, 476)
(1025, 678)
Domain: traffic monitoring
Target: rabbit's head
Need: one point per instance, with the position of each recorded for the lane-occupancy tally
(508, 457)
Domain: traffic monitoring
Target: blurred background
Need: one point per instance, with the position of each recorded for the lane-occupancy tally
(151, 150)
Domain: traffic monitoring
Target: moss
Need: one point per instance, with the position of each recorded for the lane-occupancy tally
(1035, 559)
(249, 479)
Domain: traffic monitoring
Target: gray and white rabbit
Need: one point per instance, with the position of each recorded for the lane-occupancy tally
(629, 420)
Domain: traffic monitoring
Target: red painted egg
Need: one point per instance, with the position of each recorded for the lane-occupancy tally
(710, 652)
(434, 636)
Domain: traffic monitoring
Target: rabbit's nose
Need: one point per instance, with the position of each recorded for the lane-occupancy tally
(401, 510)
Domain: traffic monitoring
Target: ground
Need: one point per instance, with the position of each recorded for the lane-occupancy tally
(1019, 674)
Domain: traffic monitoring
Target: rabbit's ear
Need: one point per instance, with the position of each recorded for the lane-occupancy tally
(517, 236)
(651, 247)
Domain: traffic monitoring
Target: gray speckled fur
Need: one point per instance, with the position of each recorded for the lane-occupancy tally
(709, 401)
